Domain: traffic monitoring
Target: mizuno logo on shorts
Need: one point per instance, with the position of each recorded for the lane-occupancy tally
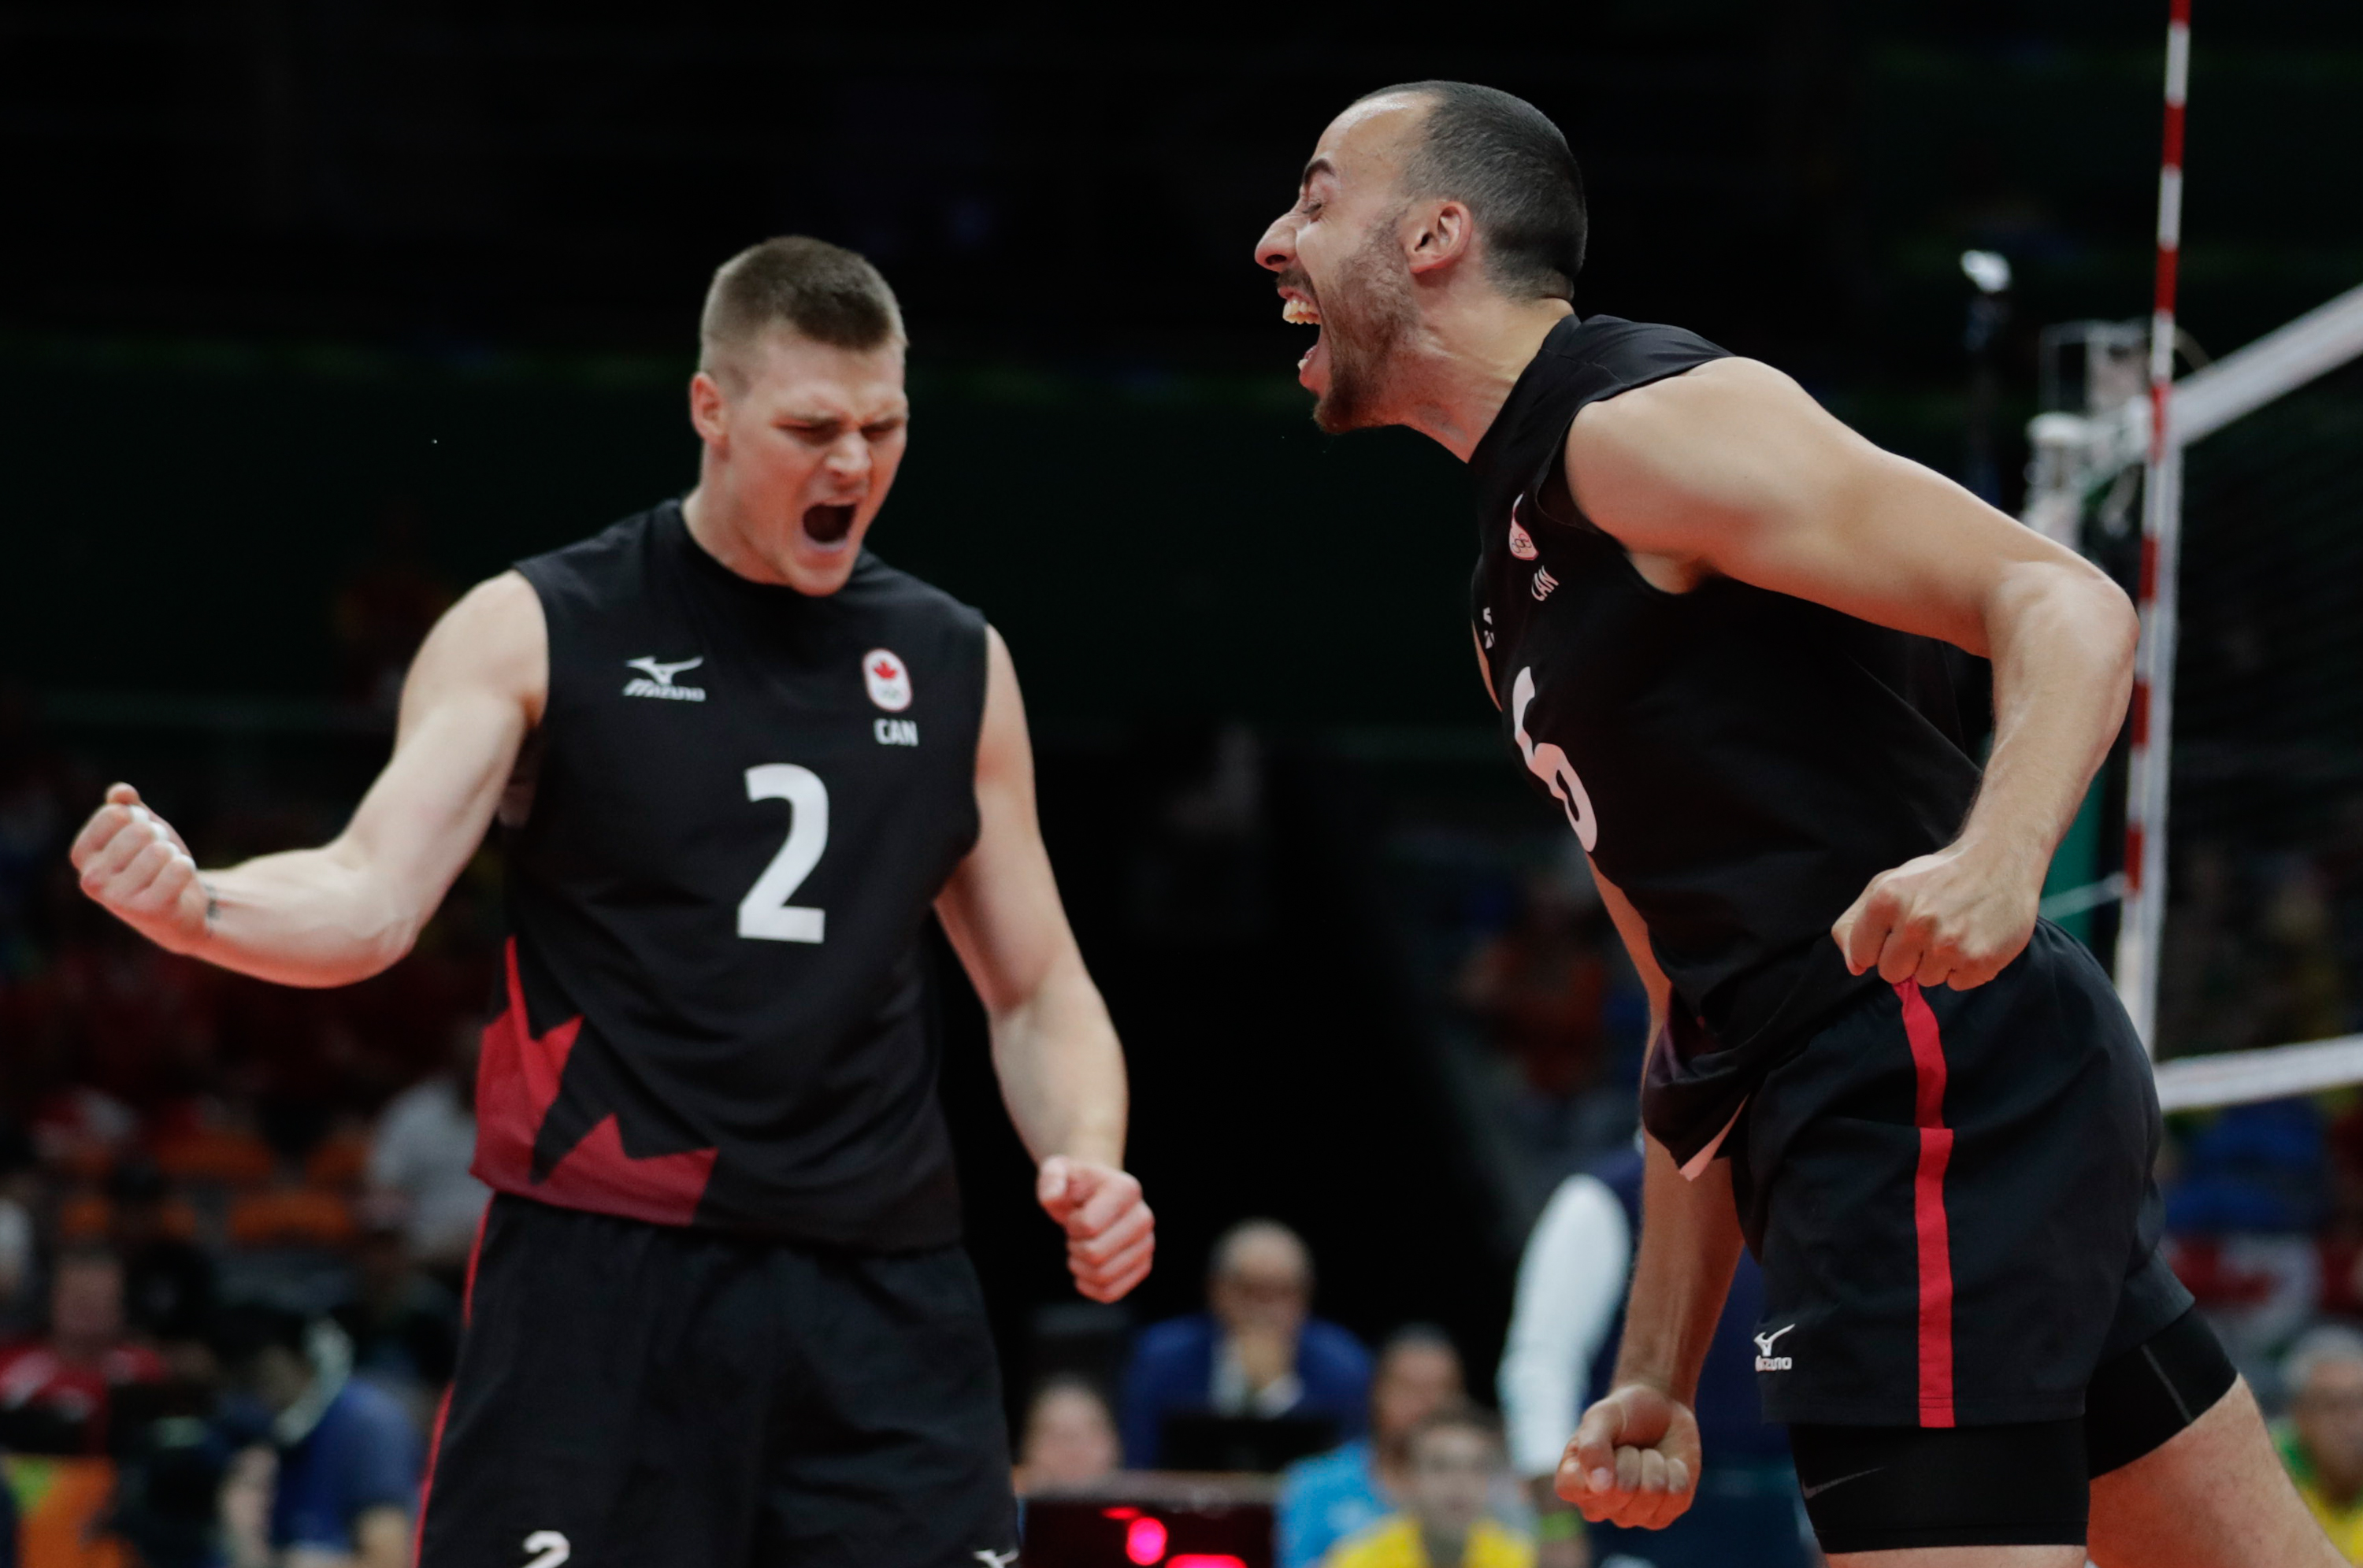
(1765, 1360)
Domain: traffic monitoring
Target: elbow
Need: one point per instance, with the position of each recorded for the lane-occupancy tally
(2117, 610)
(2120, 625)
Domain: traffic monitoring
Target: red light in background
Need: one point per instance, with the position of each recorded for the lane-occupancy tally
(1206, 1560)
(1144, 1542)
(1120, 1513)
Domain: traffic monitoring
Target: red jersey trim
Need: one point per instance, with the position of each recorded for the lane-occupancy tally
(517, 1082)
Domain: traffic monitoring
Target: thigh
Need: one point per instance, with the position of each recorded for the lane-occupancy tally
(889, 1443)
(2213, 1495)
(607, 1407)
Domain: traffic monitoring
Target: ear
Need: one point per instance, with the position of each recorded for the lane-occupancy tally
(1438, 235)
(708, 410)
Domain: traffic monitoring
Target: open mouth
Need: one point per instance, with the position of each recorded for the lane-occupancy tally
(1298, 310)
(827, 525)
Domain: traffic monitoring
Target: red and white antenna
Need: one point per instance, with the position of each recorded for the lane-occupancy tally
(2140, 930)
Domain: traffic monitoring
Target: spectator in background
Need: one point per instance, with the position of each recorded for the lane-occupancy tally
(54, 1391)
(20, 1177)
(1069, 1437)
(168, 1279)
(2321, 1439)
(426, 1141)
(1564, 1333)
(404, 1326)
(346, 1457)
(1540, 986)
(1346, 1491)
(1456, 1455)
(1258, 1351)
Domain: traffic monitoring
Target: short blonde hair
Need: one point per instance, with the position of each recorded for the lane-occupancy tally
(820, 291)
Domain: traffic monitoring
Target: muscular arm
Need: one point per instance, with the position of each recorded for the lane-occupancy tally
(1061, 1069)
(351, 908)
(1732, 471)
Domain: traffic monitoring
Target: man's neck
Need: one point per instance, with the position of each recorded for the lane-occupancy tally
(705, 511)
(1443, 1550)
(1456, 371)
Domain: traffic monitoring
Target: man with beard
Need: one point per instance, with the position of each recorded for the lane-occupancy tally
(718, 1313)
(1709, 614)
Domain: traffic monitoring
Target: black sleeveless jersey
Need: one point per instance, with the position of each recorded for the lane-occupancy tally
(1740, 763)
(722, 849)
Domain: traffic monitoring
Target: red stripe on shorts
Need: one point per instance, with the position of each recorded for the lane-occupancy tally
(1929, 1208)
(443, 1407)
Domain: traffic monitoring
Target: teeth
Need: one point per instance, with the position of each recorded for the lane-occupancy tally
(1300, 314)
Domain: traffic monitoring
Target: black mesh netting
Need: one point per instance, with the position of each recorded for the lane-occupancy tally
(2264, 931)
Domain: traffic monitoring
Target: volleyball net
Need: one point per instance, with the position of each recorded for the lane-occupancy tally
(2221, 861)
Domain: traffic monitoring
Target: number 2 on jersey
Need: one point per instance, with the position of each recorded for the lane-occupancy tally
(765, 914)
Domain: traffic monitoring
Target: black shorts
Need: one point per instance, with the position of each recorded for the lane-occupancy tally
(1951, 1196)
(639, 1394)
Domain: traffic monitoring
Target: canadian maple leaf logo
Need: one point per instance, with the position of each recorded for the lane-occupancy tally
(886, 670)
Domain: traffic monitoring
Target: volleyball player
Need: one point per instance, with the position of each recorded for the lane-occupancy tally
(719, 1313)
(1709, 614)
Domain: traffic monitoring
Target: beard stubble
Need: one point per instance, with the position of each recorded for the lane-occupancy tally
(1364, 318)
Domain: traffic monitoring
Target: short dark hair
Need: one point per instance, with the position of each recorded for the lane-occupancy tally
(1462, 1416)
(824, 291)
(1510, 164)
(1419, 1336)
(243, 1329)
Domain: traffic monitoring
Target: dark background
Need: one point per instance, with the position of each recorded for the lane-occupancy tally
(297, 293)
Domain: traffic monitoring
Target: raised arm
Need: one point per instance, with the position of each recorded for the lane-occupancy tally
(1061, 1069)
(346, 910)
(1732, 471)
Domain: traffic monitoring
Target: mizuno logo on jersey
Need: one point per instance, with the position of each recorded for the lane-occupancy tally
(1544, 582)
(1765, 1360)
(658, 681)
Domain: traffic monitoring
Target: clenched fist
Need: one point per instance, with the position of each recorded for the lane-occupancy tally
(1953, 918)
(1111, 1235)
(133, 863)
(1634, 1460)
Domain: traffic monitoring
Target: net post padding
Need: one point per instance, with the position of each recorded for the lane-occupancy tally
(2141, 930)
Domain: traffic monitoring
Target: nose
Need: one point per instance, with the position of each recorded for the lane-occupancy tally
(849, 455)
(1276, 250)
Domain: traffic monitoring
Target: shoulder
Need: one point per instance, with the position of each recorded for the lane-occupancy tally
(1582, 1206)
(1716, 388)
(363, 1418)
(1639, 346)
(494, 639)
(1334, 1346)
(1341, 1467)
(1176, 1339)
(1492, 1546)
(588, 565)
(1710, 404)
(1386, 1544)
(875, 584)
